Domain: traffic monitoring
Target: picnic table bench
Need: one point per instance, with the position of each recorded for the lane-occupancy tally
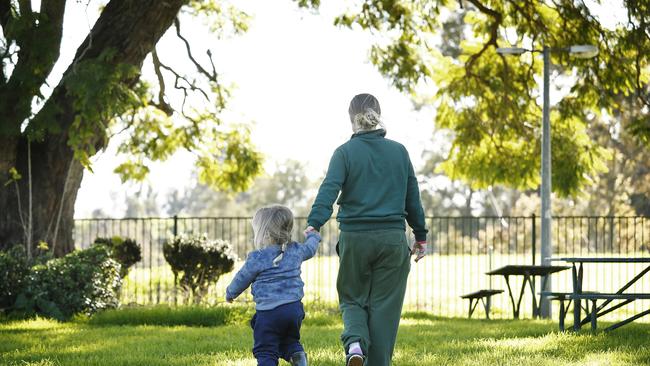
(596, 310)
(484, 297)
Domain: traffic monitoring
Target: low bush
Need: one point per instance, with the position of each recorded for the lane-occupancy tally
(124, 250)
(14, 270)
(197, 261)
(83, 281)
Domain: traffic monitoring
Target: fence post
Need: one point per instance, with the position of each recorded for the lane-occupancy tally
(534, 241)
(175, 290)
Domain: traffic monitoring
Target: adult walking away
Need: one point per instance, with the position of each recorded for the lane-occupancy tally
(378, 192)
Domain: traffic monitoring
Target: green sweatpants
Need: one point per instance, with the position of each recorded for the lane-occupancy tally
(373, 269)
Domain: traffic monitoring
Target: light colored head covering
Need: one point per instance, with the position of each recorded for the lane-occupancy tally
(365, 113)
(273, 225)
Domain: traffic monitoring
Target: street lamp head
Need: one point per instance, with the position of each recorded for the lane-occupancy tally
(511, 50)
(583, 51)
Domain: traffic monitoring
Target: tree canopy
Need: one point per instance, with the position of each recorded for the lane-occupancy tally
(444, 53)
(48, 133)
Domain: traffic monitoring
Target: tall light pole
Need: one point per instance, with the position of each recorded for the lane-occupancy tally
(580, 51)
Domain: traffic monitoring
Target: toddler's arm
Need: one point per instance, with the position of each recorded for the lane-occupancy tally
(243, 278)
(310, 246)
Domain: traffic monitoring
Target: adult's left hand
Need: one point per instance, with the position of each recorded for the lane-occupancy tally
(309, 229)
(419, 249)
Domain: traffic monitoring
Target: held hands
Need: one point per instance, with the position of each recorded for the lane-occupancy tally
(308, 230)
(419, 249)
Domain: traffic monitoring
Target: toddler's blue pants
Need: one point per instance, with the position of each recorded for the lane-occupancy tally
(276, 333)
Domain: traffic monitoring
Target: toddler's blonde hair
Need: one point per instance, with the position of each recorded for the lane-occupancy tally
(272, 225)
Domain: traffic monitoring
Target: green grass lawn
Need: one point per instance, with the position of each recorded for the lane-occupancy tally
(220, 336)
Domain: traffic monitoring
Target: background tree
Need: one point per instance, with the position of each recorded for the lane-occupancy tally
(488, 100)
(287, 185)
(143, 203)
(50, 139)
(440, 195)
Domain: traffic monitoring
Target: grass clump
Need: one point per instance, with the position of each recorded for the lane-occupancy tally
(163, 315)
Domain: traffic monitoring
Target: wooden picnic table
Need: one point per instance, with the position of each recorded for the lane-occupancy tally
(577, 272)
(528, 272)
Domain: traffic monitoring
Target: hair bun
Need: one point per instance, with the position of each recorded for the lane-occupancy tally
(372, 117)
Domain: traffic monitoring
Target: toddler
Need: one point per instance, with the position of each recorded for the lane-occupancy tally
(273, 269)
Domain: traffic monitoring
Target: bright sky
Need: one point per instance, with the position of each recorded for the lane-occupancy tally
(295, 74)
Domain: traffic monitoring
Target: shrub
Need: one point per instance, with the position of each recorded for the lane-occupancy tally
(83, 281)
(197, 261)
(124, 250)
(14, 269)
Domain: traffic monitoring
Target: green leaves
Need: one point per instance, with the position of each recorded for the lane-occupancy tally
(83, 281)
(226, 159)
(13, 176)
(100, 93)
(231, 163)
(222, 16)
(640, 127)
(489, 101)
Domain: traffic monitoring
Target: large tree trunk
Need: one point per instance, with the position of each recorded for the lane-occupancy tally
(52, 168)
(131, 28)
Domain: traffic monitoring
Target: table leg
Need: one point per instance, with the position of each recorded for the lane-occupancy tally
(515, 310)
(472, 306)
(531, 282)
(562, 313)
(544, 282)
(486, 306)
(594, 308)
(577, 289)
(521, 295)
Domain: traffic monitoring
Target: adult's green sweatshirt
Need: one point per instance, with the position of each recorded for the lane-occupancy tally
(377, 184)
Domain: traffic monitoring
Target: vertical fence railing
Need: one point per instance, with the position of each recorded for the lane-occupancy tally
(461, 251)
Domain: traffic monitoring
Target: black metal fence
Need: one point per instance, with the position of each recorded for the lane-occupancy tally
(461, 250)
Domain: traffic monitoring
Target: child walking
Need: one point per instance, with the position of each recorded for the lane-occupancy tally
(274, 272)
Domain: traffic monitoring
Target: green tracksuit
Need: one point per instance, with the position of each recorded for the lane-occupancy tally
(378, 192)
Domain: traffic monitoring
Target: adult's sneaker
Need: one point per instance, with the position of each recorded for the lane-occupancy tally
(354, 359)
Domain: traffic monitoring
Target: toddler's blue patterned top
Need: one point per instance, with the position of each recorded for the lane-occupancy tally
(274, 285)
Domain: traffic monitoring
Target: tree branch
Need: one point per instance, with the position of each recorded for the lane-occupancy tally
(162, 104)
(189, 86)
(528, 15)
(25, 7)
(53, 11)
(5, 12)
(177, 25)
(494, 31)
(129, 28)
(39, 51)
(211, 76)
